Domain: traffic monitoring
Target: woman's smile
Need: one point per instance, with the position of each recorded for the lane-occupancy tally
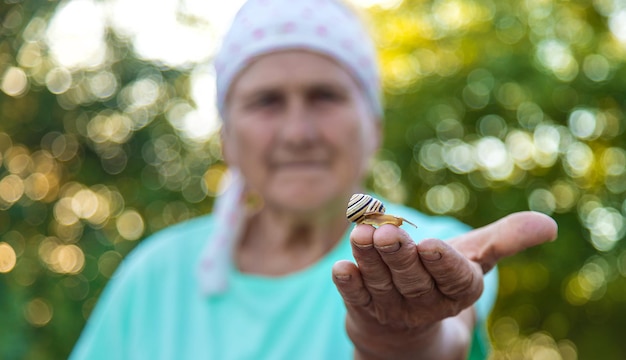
(301, 165)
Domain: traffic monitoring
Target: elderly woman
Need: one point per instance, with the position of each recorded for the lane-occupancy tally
(277, 272)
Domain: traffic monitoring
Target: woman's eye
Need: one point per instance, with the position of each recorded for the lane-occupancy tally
(325, 95)
(265, 100)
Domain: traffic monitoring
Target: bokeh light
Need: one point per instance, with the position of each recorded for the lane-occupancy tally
(14, 81)
(589, 283)
(539, 345)
(596, 67)
(11, 189)
(8, 258)
(444, 199)
(59, 80)
(617, 24)
(557, 57)
(542, 200)
(579, 159)
(108, 262)
(130, 225)
(76, 34)
(565, 195)
(607, 226)
(61, 258)
(386, 175)
(213, 180)
(38, 312)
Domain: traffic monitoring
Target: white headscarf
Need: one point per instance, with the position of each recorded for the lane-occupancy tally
(324, 26)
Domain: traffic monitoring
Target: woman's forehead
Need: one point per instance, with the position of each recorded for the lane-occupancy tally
(293, 66)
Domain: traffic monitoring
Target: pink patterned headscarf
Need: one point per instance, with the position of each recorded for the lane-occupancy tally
(324, 26)
(327, 27)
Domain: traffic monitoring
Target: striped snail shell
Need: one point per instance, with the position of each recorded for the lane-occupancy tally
(365, 209)
(362, 204)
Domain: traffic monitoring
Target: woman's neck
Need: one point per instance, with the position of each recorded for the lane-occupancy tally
(277, 244)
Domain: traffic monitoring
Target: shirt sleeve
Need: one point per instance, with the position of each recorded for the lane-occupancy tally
(106, 333)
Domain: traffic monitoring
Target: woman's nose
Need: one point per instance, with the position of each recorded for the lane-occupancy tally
(299, 126)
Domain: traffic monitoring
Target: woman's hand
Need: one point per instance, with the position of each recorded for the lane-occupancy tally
(407, 300)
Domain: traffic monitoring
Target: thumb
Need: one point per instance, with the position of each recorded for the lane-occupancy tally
(506, 237)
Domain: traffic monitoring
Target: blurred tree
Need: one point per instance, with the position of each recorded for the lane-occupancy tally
(492, 107)
(495, 107)
(90, 162)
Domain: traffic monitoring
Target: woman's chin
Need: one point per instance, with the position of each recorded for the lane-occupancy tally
(303, 200)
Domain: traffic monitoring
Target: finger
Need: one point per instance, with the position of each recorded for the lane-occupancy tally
(349, 283)
(399, 252)
(457, 277)
(506, 237)
(374, 272)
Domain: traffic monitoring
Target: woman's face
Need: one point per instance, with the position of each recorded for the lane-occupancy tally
(300, 130)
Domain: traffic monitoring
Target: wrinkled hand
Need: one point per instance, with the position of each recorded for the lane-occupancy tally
(399, 292)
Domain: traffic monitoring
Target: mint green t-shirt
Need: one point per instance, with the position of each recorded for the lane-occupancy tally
(153, 307)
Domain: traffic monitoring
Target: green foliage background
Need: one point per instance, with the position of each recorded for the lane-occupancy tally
(492, 107)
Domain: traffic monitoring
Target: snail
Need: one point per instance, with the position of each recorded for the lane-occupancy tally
(364, 209)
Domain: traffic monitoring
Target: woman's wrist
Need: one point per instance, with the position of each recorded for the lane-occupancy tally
(447, 339)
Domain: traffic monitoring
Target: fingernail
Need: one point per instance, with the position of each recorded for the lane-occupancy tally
(363, 246)
(389, 248)
(430, 255)
(343, 277)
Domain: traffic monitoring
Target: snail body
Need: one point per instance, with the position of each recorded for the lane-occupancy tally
(365, 209)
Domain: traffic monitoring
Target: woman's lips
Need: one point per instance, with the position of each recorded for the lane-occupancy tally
(300, 164)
